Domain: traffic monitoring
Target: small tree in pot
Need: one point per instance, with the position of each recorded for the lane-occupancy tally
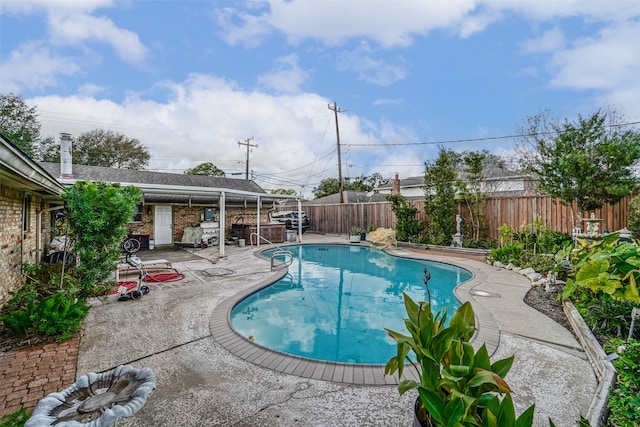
(457, 386)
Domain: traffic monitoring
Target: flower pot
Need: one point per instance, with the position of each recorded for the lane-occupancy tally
(354, 238)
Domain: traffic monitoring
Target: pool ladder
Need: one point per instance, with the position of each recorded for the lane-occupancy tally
(275, 263)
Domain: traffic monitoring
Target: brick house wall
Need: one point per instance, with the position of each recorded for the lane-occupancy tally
(17, 248)
(190, 216)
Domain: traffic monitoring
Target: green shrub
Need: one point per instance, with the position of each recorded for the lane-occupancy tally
(624, 399)
(486, 243)
(17, 419)
(509, 252)
(634, 218)
(607, 317)
(59, 315)
(541, 263)
(549, 241)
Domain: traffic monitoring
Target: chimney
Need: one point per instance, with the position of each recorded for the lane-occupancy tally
(66, 170)
(395, 189)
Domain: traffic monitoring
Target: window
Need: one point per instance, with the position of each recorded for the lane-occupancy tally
(137, 214)
(26, 210)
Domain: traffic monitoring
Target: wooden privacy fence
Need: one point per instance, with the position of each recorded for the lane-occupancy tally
(515, 212)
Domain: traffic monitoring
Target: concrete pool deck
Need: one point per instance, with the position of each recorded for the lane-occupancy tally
(173, 331)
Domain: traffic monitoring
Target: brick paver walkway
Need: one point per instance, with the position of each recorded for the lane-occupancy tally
(28, 375)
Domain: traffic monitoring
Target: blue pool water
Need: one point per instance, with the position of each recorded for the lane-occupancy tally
(336, 300)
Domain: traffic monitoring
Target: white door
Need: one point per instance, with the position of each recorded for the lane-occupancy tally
(163, 225)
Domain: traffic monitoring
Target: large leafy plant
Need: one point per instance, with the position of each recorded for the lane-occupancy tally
(456, 385)
(607, 266)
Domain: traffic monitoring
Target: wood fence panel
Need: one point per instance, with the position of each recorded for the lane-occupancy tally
(516, 212)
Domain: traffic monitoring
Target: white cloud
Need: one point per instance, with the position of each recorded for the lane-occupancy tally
(74, 29)
(204, 118)
(607, 62)
(35, 67)
(375, 71)
(287, 77)
(389, 23)
(550, 41)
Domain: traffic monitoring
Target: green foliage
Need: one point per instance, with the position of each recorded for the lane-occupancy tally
(605, 316)
(483, 243)
(19, 122)
(97, 213)
(408, 228)
(634, 218)
(588, 162)
(16, 419)
(457, 385)
(550, 242)
(285, 191)
(507, 253)
(605, 267)
(354, 231)
(206, 168)
(441, 184)
(471, 194)
(329, 186)
(541, 263)
(624, 399)
(109, 149)
(59, 314)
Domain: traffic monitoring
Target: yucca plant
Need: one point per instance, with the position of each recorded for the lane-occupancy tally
(457, 386)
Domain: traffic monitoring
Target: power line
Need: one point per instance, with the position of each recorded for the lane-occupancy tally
(488, 138)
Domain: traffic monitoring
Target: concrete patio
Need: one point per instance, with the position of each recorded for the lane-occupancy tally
(201, 383)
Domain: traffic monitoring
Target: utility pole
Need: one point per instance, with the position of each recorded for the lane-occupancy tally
(249, 146)
(336, 110)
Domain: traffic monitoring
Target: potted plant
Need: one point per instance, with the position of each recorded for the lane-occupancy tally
(354, 235)
(456, 385)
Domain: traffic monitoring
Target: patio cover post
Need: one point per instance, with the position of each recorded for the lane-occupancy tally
(299, 220)
(257, 224)
(223, 214)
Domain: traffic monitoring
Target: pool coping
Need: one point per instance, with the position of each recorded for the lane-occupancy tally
(348, 373)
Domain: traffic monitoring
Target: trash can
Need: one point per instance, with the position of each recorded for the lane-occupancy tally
(291, 235)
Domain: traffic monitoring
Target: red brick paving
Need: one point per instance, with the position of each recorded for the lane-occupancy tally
(28, 375)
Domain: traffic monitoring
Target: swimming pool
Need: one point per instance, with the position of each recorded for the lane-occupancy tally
(336, 300)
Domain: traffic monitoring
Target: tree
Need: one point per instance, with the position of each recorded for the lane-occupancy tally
(330, 186)
(471, 191)
(97, 213)
(47, 150)
(19, 123)
(285, 191)
(441, 183)
(408, 227)
(588, 162)
(206, 168)
(110, 149)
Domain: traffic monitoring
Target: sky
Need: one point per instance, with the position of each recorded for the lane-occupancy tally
(193, 80)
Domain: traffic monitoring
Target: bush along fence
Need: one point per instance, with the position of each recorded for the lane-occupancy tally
(515, 212)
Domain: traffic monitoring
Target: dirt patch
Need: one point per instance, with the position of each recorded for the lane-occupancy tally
(547, 303)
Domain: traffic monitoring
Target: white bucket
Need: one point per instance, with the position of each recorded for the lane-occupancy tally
(241, 243)
(152, 244)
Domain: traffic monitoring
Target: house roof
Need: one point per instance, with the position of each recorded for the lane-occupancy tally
(349, 197)
(412, 181)
(17, 170)
(167, 187)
